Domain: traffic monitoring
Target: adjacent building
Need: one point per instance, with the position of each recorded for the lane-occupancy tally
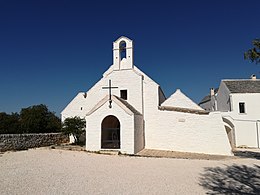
(238, 100)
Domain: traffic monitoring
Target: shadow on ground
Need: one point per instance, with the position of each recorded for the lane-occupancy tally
(234, 179)
(247, 154)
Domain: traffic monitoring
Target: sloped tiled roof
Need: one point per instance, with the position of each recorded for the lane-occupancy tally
(129, 106)
(186, 110)
(205, 99)
(208, 97)
(243, 86)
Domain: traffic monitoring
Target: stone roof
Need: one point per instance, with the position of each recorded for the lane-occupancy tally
(186, 110)
(243, 86)
(129, 106)
(208, 97)
(180, 100)
(205, 99)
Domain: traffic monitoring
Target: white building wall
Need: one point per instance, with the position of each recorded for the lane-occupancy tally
(245, 124)
(75, 108)
(94, 121)
(139, 133)
(189, 133)
(132, 82)
(258, 133)
(246, 130)
(252, 105)
(223, 101)
(207, 105)
(176, 131)
(162, 129)
(124, 79)
(93, 96)
(246, 133)
(150, 110)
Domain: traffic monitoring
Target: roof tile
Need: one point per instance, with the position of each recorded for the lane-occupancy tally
(243, 86)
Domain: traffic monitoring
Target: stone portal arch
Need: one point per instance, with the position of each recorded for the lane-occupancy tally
(230, 130)
(110, 133)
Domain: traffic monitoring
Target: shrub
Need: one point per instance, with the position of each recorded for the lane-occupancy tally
(34, 119)
(9, 123)
(74, 126)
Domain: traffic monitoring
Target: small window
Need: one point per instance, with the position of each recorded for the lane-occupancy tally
(242, 107)
(123, 94)
(81, 108)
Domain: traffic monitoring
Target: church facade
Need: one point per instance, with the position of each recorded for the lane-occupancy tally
(127, 111)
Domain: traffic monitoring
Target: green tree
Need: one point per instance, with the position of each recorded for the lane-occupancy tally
(38, 119)
(253, 54)
(74, 126)
(9, 123)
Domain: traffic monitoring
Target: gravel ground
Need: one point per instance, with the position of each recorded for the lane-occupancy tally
(46, 171)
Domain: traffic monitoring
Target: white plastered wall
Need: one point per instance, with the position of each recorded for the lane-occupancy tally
(223, 98)
(94, 121)
(139, 133)
(124, 79)
(177, 131)
(132, 82)
(77, 107)
(246, 124)
(189, 133)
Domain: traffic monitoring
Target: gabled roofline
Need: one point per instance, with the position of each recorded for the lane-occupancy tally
(202, 102)
(222, 81)
(62, 112)
(242, 86)
(128, 109)
(138, 71)
(240, 80)
(208, 97)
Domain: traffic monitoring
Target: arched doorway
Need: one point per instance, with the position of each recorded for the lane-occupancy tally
(230, 130)
(110, 133)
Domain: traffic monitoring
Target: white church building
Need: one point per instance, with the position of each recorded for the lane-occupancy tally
(127, 111)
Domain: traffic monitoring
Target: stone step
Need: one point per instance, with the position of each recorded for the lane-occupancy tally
(110, 152)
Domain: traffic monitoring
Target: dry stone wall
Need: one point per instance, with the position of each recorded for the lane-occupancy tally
(25, 141)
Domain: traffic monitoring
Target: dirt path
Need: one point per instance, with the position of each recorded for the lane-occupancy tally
(46, 171)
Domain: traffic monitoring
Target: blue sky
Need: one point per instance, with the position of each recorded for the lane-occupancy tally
(51, 50)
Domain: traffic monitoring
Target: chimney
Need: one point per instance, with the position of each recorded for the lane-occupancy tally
(253, 77)
(212, 92)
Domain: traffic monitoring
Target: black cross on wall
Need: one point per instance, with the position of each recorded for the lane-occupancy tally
(110, 91)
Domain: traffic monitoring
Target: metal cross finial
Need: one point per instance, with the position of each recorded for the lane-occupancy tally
(110, 87)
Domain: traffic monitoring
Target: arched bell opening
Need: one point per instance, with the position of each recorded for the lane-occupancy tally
(122, 50)
(110, 133)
